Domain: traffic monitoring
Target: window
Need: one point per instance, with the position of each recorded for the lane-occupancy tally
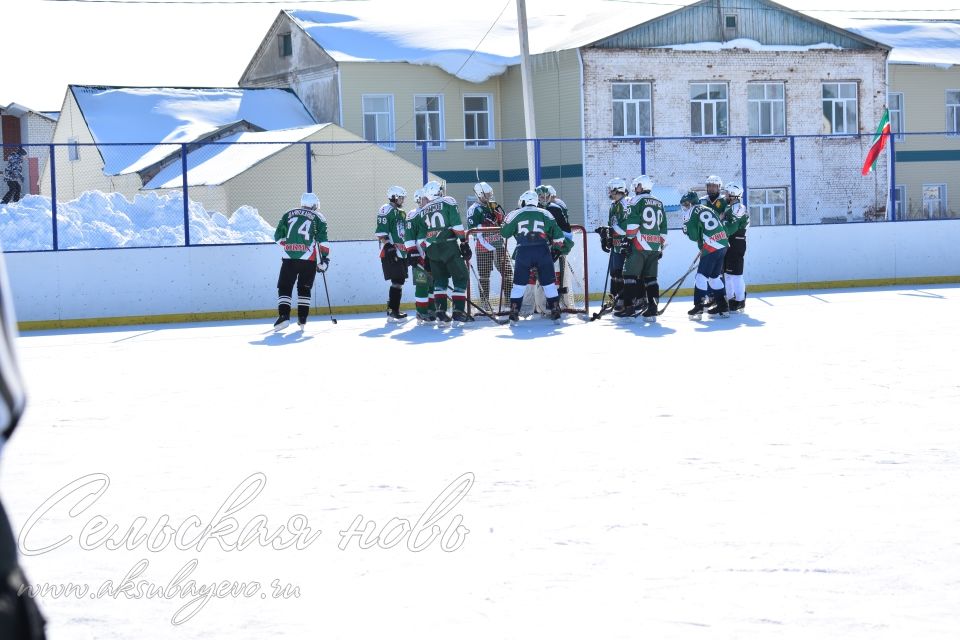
(708, 109)
(767, 206)
(899, 202)
(895, 104)
(477, 121)
(935, 200)
(840, 107)
(729, 27)
(953, 111)
(378, 119)
(73, 151)
(632, 109)
(286, 45)
(428, 111)
(766, 106)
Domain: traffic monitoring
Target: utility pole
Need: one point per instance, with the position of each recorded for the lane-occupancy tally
(526, 80)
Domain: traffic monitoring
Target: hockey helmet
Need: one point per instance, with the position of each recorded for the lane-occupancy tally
(395, 192)
(617, 185)
(644, 182)
(432, 190)
(309, 201)
(714, 180)
(484, 191)
(690, 198)
(528, 199)
(545, 192)
(733, 190)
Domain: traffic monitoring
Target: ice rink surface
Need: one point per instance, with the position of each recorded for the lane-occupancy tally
(793, 472)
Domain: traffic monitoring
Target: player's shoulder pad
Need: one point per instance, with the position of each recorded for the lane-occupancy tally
(546, 214)
(561, 203)
(322, 217)
(653, 199)
(413, 213)
(448, 200)
(385, 209)
(513, 214)
(473, 206)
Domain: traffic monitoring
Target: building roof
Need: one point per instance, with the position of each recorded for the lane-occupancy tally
(153, 115)
(216, 163)
(921, 42)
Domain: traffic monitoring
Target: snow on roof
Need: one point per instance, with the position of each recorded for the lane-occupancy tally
(169, 115)
(216, 163)
(746, 43)
(388, 31)
(935, 43)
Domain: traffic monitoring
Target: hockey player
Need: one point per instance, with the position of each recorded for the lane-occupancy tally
(613, 236)
(547, 197)
(736, 220)
(491, 247)
(702, 225)
(714, 199)
(646, 230)
(539, 243)
(302, 233)
(422, 279)
(391, 224)
(438, 234)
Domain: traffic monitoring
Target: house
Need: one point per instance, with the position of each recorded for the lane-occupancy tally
(243, 147)
(22, 126)
(924, 103)
(622, 72)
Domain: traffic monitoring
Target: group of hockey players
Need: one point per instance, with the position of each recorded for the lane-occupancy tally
(430, 243)
(636, 235)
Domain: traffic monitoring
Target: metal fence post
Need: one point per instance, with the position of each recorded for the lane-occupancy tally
(423, 161)
(793, 181)
(186, 204)
(309, 170)
(53, 194)
(743, 162)
(536, 162)
(893, 178)
(643, 156)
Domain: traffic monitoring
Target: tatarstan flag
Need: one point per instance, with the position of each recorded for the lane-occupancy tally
(879, 139)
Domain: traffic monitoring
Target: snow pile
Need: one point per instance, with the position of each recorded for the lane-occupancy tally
(933, 43)
(99, 220)
(748, 44)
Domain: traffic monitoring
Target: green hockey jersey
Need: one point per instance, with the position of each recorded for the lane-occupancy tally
(646, 223)
(391, 225)
(302, 234)
(615, 218)
(440, 222)
(736, 220)
(534, 226)
(718, 204)
(701, 225)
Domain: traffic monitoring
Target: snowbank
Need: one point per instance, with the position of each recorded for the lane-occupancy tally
(98, 220)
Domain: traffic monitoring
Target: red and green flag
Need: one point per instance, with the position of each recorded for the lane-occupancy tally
(879, 139)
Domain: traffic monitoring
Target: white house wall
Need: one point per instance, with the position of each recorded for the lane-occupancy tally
(828, 177)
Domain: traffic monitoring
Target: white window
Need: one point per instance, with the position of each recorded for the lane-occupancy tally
(900, 202)
(428, 111)
(766, 106)
(285, 44)
(73, 151)
(477, 121)
(378, 119)
(935, 200)
(708, 109)
(767, 206)
(953, 111)
(840, 107)
(632, 109)
(895, 105)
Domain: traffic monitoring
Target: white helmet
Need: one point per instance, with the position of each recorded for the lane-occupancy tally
(645, 183)
(309, 201)
(433, 190)
(396, 192)
(715, 180)
(617, 185)
(484, 191)
(417, 195)
(733, 189)
(528, 199)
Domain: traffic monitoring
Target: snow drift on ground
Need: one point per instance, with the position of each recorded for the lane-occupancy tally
(99, 220)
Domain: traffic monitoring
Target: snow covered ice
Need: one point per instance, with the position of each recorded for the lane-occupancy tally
(792, 472)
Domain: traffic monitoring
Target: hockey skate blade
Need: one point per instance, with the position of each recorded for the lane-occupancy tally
(280, 327)
(697, 317)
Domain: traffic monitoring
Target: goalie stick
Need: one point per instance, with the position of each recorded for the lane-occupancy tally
(475, 305)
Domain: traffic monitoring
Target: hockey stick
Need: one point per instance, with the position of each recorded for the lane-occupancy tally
(327, 292)
(603, 307)
(676, 286)
(475, 305)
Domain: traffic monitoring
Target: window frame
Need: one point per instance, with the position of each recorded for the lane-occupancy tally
(758, 104)
(388, 142)
(725, 101)
(440, 143)
(474, 143)
(73, 149)
(283, 39)
(757, 210)
(622, 103)
(842, 101)
(944, 209)
(897, 131)
(952, 124)
(900, 202)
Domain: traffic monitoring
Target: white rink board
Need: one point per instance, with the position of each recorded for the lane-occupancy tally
(68, 285)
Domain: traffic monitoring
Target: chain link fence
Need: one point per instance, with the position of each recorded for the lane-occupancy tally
(83, 195)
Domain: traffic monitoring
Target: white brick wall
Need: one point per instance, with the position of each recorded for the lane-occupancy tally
(828, 177)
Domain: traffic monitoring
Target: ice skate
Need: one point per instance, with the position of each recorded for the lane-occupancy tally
(514, 314)
(442, 318)
(461, 318)
(282, 323)
(697, 312)
(396, 317)
(425, 319)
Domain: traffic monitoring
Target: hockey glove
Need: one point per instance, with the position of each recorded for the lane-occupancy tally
(465, 252)
(323, 264)
(555, 253)
(389, 252)
(413, 259)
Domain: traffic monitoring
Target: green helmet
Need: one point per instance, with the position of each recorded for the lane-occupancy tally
(690, 197)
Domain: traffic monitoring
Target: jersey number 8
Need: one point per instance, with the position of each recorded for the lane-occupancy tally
(708, 220)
